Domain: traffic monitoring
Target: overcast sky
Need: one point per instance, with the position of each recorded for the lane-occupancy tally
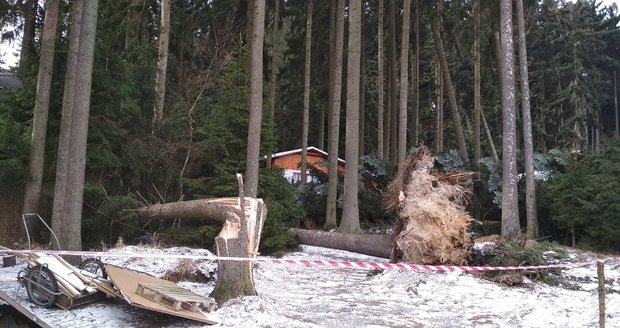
(9, 53)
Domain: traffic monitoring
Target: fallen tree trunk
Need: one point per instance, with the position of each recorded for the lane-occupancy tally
(240, 236)
(373, 245)
(217, 209)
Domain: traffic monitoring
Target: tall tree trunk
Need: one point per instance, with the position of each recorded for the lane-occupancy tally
(332, 70)
(439, 109)
(380, 80)
(510, 207)
(350, 222)
(362, 91)
(456, 116)
(162, 64)
(66, 124)
(477, 96)
(306, 114)
(387, 116)
(334, 120)
(489, 137)
(275, 53)
(404, 78)
(249, 25)
(415, 76)
(29, 8)
(41, 109)
(321, 144)
(528, 140)
(616, 107)
(393, 128)
(256, 99)
(71, 237)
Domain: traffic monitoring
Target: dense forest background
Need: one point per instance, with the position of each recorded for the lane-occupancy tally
(196, 145)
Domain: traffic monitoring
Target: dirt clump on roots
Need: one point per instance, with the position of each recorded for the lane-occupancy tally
(432, 225)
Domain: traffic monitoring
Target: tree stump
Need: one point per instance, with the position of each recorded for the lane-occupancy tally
(240, 236)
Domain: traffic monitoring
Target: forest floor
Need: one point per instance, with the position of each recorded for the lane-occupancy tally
(314, 296)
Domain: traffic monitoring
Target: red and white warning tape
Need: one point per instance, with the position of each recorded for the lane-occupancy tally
(323, 263)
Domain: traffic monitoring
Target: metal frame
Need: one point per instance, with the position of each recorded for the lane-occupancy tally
(24, 215)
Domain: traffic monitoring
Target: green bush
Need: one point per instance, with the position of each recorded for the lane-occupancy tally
(105, 219)
(13, 154)
(584, 200)
(283, 212)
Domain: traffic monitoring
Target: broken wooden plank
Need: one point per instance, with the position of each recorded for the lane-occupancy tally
(23, 310)
(65, 302)
(106, 287)
(69, 289)
(60, 270)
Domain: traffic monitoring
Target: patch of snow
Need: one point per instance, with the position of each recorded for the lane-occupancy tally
(309, 297)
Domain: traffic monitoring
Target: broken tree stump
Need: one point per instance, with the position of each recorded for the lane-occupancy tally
(239, 237)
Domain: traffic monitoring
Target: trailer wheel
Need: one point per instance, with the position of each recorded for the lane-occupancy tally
(41, 286)
(95, 266)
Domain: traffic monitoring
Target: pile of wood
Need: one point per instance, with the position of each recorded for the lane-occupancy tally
(70, 286)
(76, 286)
(432, 225)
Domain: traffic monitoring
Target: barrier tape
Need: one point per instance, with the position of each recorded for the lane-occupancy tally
(323, 263)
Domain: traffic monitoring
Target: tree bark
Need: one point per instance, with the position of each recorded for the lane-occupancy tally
(362, 91)
(162, 64)
(373, 245)
(29, 8)
(528, 140)
(477, 96)
(350, 222)
(249, 25)
(66, 122)
(256, 99)
(393, 123)
(41, 109)
(217, 209)
(456, 116)
(415, 76)
(510, 207)
(489, 137)
(617, 134)
(306, 113)
(404, 79)
(439, 89)
(380, 80)
(334, 120)
(275, 53)
(79, 129)
(322, 128)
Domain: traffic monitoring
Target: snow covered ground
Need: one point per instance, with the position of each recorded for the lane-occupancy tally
(298, 296)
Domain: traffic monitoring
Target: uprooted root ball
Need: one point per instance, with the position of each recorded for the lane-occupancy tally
(432, 225)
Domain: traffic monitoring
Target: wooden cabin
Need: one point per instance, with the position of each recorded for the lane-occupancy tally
(290, 161)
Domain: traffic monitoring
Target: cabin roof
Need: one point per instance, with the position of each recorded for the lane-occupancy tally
(296, 151)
